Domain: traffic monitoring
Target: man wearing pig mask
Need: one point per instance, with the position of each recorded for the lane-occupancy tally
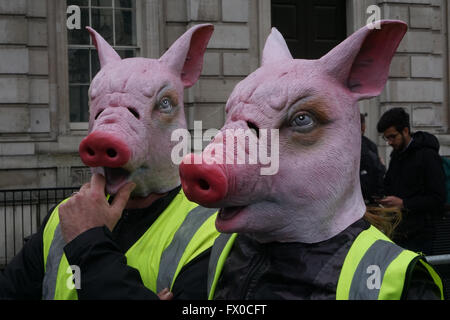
(299, 233)
(142, 236)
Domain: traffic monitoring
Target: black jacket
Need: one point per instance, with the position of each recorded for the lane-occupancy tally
(100, 255)
(416, 175)
(298, 271)
(371, 171)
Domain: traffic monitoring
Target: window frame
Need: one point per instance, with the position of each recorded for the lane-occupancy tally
(83, 126)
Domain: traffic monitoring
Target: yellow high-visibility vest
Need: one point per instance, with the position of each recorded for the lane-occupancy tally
(181, 232)
(371, 255)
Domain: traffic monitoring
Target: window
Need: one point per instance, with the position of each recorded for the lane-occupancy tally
(115, 21)
(311, 27)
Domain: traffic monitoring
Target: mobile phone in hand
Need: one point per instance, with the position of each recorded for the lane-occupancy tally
(377, 198)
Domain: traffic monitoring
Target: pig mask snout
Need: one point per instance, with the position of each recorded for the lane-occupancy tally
(102, 149)
(205, 184)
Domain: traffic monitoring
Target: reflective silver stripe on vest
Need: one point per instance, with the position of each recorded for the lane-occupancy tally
(216, 251)
(55, 254)
(369, 274)
(171, 257)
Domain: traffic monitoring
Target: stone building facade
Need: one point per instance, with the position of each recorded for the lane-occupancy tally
(39, 143)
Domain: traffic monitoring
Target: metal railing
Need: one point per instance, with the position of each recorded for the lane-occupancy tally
(21, 215)
(441, 264)
(22, 212)
(440, 259)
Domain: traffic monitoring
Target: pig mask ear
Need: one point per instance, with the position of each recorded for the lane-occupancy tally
(362, 61)
(275, 49)
(106, 53)
(185, 56)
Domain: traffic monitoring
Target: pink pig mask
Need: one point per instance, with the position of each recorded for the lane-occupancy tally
(316, 192)
(135, 104)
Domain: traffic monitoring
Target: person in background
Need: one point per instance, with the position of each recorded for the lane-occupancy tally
(372, 169)
(414, 182)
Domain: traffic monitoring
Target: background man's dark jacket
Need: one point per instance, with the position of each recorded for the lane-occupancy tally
(103, 266)
(416, 175)
(371, 171)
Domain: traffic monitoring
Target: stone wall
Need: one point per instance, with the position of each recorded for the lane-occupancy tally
(418, 76)
(38, 145)
(24, 93)
(419, 73)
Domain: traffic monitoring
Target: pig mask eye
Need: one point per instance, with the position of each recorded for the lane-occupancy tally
(98, 113)
(303, 123)
(165, 105)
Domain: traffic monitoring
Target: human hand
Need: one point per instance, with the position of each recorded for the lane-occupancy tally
(89, 208)
(165, 294)
(391, 202)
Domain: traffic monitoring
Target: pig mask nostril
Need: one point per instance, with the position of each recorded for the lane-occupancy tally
(203, 184)
(111, 153)
(90, 152)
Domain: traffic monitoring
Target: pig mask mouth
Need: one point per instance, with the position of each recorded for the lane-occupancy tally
(228, 213)
(116, 178)
(226, 216)
(231, 219)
